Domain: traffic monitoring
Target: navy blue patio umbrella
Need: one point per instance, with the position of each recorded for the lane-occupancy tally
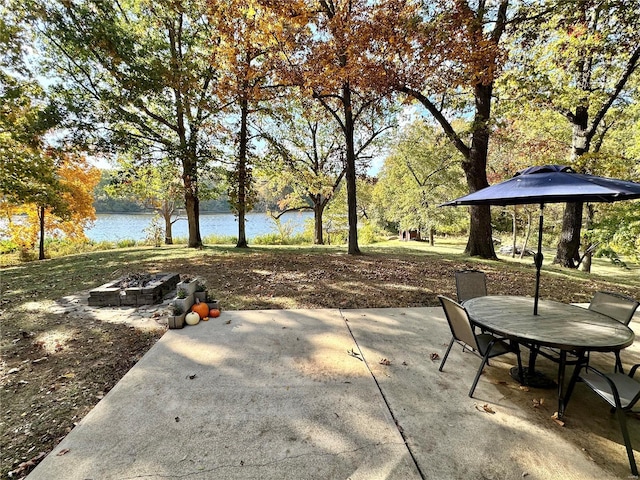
(550, 184)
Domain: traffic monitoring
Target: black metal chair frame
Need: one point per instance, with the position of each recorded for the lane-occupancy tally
(632, 305)
(551, 354)
(483, 345)
(616, 404)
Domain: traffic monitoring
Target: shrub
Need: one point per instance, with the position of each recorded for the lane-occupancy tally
(268, 239)
(8, 246)
(125, 243)
(367, 234)
(214, 239)
(179, 240)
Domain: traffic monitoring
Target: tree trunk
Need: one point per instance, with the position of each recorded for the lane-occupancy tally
(318, 210)
(191, 201)
(167, 212)
(515, 233)
(480, 241)
(432, 234)
(242, 177)
(527, 236)
(168, 231)
(41, 213)
(567, 253)
(585, 265)
(352, 206)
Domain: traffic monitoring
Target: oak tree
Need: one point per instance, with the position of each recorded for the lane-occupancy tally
(305, 156)
(334, 61)
(136, 72)
(577, 59)
(447, 55)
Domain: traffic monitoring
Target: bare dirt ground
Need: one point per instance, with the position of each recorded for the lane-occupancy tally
(57, 365)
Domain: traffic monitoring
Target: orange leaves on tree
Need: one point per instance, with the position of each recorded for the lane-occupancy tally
(77, 180)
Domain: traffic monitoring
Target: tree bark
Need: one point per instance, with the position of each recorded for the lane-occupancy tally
(192, 204)
(352, 206)
(567, 253)
(585, 264)
(515, 232)
(480, 241)
(527, 236)
(167, 212)
(242, 176)
(168, 234)
(41, 213)
(318, 210)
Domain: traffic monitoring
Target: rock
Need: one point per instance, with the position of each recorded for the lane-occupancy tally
(508, 249)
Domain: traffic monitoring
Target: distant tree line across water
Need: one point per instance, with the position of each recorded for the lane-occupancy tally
(105, 203)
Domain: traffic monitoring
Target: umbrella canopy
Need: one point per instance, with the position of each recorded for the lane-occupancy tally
(550, 184)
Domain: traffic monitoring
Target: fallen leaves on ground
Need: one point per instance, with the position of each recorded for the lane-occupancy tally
(538, 402)
(557, 420)
(484, 408)
(62, 389)
(25, 467)
(354, 354)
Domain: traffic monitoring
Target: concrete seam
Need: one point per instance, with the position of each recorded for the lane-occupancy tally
(386, 401)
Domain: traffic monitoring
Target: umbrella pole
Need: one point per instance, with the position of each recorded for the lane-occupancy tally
(537, 258)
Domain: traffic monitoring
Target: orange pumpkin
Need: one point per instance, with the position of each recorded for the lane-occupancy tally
(214, 312)
(200, 308)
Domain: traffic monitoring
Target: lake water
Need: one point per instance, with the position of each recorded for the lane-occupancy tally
(119, 226)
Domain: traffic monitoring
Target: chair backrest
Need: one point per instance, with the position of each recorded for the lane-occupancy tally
(470, 284)
(459, 323)
(614, 305)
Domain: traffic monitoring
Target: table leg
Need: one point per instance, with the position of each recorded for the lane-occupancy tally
(582, 360)
(561, 367)
(533, 356)
(531, 377)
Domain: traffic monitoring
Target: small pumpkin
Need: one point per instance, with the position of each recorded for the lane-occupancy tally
(214, 312)
(192, 318)
(201, 308)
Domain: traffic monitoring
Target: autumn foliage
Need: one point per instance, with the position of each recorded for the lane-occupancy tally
(72, 213)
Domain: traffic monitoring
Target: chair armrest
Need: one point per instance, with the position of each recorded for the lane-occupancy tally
(632, 372)
(610, 383)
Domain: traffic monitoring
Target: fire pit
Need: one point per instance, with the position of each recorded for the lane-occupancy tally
(134, 289)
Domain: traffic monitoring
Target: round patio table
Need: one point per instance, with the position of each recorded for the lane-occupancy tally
(567, 328)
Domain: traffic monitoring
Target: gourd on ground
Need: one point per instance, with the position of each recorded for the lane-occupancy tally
(201, 308)
(192, 318)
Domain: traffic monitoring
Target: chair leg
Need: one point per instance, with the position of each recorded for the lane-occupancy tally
(475, 380)
(618, 367)
(444, 359)
(516, 347)
(627, 440)
(582, 362)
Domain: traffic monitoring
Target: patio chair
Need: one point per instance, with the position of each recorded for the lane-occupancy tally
(470, 284)
(484, 345)
(614, 305)
(620, 391)
(617, 306)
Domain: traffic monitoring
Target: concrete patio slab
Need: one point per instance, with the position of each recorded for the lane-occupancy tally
(330, 394)
(453, 436)
(253, 394)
